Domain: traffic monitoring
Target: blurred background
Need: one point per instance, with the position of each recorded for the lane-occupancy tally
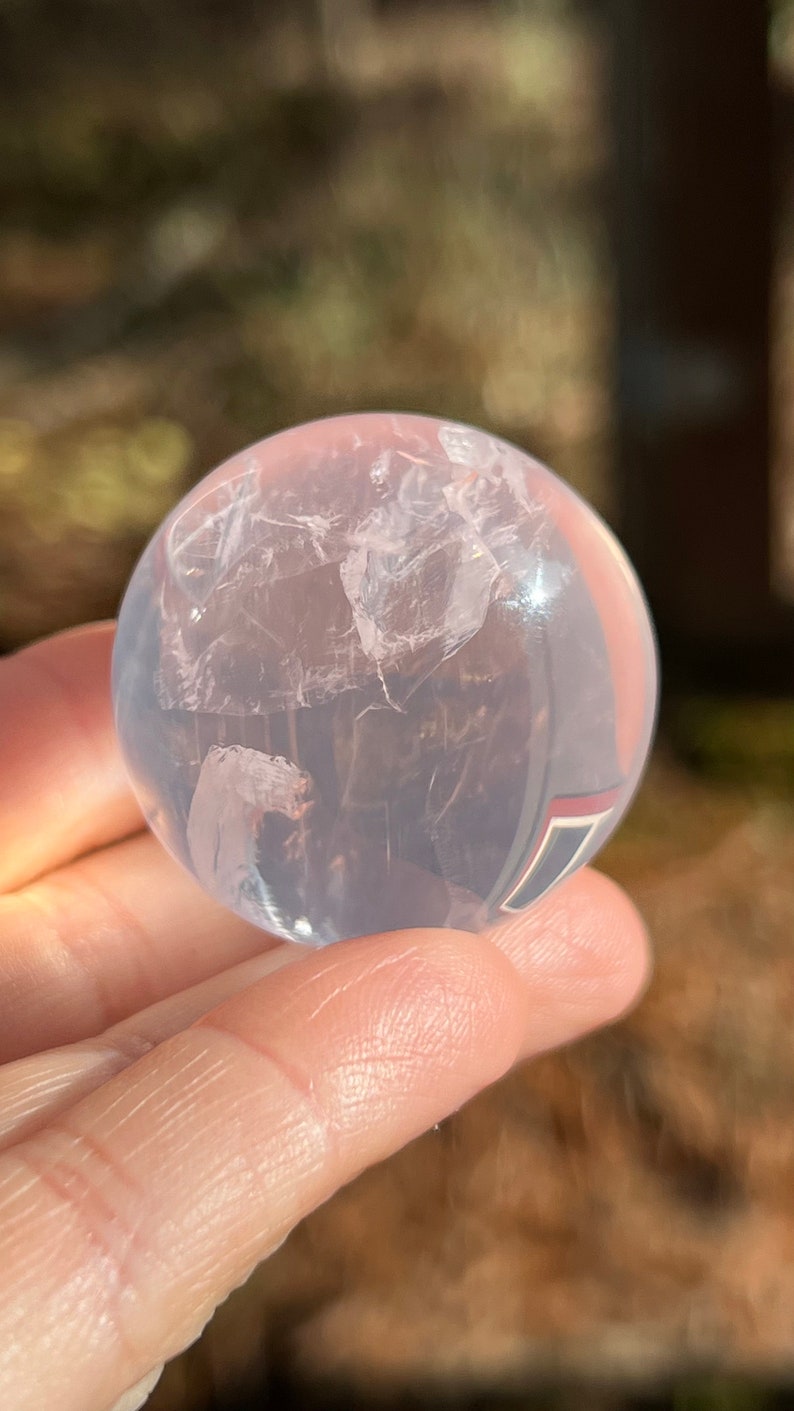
(570, 222)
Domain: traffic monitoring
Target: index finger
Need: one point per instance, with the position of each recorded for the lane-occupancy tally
(132, 1215)
(63, 785)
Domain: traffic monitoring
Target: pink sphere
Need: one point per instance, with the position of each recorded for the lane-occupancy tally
(383, 671)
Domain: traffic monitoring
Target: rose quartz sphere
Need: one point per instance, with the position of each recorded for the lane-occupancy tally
(383, 671)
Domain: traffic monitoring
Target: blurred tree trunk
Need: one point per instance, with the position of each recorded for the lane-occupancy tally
(693, 228)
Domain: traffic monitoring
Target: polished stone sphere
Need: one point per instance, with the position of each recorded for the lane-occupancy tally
(383, 671)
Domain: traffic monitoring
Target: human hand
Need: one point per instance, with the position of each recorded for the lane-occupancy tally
(179, 1090)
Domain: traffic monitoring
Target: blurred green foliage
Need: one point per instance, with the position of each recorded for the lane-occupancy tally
(738, 741)
(719, 1395)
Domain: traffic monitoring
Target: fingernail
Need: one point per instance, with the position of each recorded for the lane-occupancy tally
(133, 1399)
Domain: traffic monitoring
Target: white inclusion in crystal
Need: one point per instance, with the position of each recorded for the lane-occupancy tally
(514, 475)
(416, 579)
(500, 514)
(353, 572)
(208, 538)
(236, 788)
(379, 473)
(464, 446)
(470, 592)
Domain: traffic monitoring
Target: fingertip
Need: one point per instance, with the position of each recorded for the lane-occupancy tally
(447, 1005)
(468, 987)
(615, 946)
(584, 955)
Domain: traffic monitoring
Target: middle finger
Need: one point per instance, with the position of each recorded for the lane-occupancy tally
(105, 937)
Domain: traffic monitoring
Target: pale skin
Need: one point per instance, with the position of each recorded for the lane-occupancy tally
(178, 1091)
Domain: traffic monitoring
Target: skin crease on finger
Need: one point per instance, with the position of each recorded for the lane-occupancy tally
(580, 952)
(358, 1059)
(126, 1221)
(35, 1089)
(104, 937)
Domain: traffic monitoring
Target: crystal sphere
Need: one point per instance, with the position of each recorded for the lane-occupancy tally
(383, 671)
